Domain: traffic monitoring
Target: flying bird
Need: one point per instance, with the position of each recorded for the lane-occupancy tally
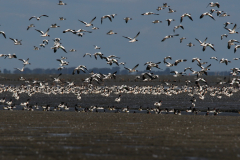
(169, 36)
(132, 39)
(1, 32)
(133, 69)
(38, 18)
(232, 31)
(25, 62)
(61, 3)
(127, 19)
(20, 69)
(206, 14)
(211, 4)
(169, 21)
(106, 16)
(88, 24)
(186, 15)
(44, 34)
(176, 27)
(111, 32)
(16, 41)
(30, 26)
(149, 13)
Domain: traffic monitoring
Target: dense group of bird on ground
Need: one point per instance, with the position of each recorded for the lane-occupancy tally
(94, 80)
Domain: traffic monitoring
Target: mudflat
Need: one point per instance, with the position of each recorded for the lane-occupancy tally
(77, 135)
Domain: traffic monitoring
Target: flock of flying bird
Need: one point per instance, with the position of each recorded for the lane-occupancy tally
(113, 59)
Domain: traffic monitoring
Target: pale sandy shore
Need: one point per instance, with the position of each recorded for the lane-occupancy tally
(72, 135)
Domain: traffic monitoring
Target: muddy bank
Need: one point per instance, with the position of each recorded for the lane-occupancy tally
(72, 135)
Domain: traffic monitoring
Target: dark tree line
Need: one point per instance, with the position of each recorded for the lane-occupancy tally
(99, 70)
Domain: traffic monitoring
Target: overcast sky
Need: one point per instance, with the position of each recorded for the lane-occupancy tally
(15, 14)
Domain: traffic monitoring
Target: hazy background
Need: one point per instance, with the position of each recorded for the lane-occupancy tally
(15, 14)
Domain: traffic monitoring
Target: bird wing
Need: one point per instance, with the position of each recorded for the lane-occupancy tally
(93, 19)
(39, 31)
(32, 17)
(44, 15)
(13, 39)
(136, 66)
(235, 26)
(128, 38)
(137, 35)
(47, 30)
(199, 41)
(127, 68)
(3, 34)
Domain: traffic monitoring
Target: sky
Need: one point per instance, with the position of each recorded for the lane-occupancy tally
(15, 14)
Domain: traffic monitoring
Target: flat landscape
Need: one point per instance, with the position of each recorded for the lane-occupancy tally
(72, 135)
(115, 134)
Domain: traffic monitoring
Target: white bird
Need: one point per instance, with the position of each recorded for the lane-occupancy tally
(224, 35)
(72, 50)
(61, 3)
(111, 32)
(1, 32)
(10, 56)
(106, 16)
(210, 45)
(45, 41)
(224, 15)
(231, 42)
(133, 69)
(118, 99)
(226, 24)
(57, 79)
(214, 58)
(171, 10)
(38, 18)
(30, 26)
(41, 45)
(95, 28)
(98, 54)
(127, 19)
(96, 47)
(176, 73)
(132, 39)
(156, 21)
(36, 48)
(87, 54)
(62, 19)
(211, 4)
(169, 21)
(181, 39)
(206, 14)
(79, 68)
(160, 8)
(20, 69)
(236, 47)
(232, 31)
(58, 45)
(88, 24)
(44, 34)
(158, 104)
(25, 62)
(16, 41)
(202, 43)
(169, 36)
(223, 60)
(186, 15)
(176, 27)
(149, 13)
(62, 62)
(54, 25)
(190, 44)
